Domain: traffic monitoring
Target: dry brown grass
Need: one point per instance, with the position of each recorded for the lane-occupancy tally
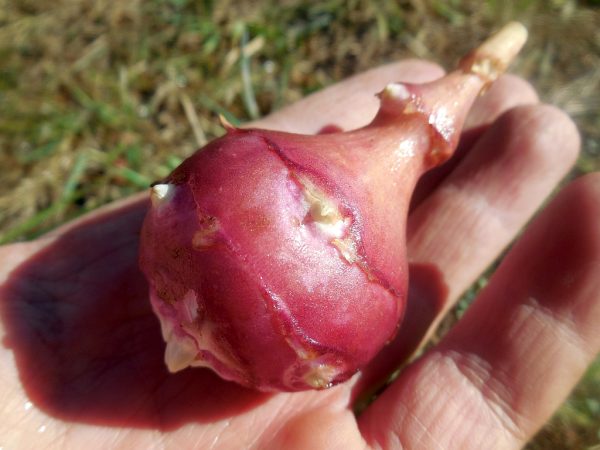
(99, 98)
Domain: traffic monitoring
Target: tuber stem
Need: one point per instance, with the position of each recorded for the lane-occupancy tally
(494, 55)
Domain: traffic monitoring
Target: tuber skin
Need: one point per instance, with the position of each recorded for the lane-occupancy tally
(278, 260)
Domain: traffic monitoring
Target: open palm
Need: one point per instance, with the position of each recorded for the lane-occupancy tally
(82, 352)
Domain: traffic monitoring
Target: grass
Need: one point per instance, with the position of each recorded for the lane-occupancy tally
(99, 98)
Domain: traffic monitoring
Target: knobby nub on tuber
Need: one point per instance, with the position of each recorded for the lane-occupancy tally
(278, 259)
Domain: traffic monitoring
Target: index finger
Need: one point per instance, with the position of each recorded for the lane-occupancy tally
(350, 103)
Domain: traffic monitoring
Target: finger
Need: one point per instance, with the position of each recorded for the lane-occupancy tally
(518, 351)
(349, 104)
(508, 92)
(479, 209)
(473, 215)
(11, 256)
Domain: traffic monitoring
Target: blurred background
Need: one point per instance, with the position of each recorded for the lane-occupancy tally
(99, 98)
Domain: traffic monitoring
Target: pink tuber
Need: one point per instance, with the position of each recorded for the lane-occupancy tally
(278, 260)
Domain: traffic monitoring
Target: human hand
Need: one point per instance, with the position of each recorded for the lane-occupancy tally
(82, 354)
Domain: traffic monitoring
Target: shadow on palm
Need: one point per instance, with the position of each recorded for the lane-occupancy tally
(87, 345)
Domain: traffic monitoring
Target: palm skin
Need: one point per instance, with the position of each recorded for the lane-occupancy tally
(82, 354)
